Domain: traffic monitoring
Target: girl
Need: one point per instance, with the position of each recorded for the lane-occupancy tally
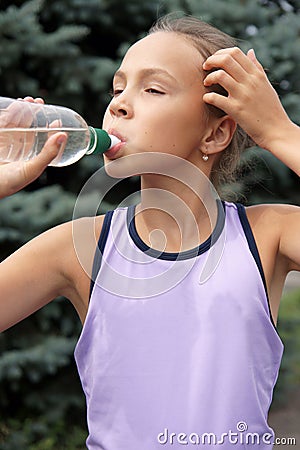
(179, 343)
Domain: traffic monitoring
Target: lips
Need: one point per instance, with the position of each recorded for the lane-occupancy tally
(112, 152)
(117, 134)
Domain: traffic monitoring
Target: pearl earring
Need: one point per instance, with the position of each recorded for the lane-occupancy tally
(205, 157)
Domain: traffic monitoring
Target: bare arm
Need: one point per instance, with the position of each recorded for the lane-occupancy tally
(58, 262)
(253, 103)
(276, 232)
(33, 276)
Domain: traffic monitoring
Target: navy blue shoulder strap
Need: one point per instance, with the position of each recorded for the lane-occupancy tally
(100, 248)
(253, 248)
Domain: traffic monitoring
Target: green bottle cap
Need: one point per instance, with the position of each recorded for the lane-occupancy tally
(99, 141)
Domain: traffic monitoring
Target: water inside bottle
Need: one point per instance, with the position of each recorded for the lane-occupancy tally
(18, 144)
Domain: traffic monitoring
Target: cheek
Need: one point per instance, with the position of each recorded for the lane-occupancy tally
(105, 120)
(156, 138)
(169, 139)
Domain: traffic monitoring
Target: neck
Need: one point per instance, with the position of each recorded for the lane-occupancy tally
(175, 214)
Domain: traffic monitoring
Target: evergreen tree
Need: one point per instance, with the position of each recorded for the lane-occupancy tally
(272, 29)
(66, 52)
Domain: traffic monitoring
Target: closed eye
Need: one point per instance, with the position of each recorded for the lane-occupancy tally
(154, 91)
(115, 92)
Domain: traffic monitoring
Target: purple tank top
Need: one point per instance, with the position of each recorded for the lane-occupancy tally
(178, 350)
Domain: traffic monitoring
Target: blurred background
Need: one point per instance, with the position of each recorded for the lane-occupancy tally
(66, 51)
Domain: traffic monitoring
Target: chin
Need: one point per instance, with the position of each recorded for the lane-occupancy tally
(122, 167)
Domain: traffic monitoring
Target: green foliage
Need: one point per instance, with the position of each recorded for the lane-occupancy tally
(39, 388)
(36, 362)
(27, 214)
(34, 434)
(66, 51)
(289, 331)
(25, 44)
(273, 30)
(30, 213)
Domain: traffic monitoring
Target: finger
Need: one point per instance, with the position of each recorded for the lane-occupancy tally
(220, 77)
(15, 176)
(227, 64)
(217, 100)
(29, 99)
(251, 55)
(57, 123)
(236, 52)
(232, 60)
(53, 147)
(39, 100)
(25, 111)
(13, 116)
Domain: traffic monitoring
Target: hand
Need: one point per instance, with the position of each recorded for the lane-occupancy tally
(252, 101)
(17, 115)
(16, 175)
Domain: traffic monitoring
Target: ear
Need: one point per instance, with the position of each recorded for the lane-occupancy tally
(219, 136)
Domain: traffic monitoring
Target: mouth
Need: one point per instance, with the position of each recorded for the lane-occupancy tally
(117, 134)
(112, 152)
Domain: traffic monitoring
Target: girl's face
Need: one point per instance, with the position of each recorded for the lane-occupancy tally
(157, 101)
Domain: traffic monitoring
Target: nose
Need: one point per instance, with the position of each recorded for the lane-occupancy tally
(120, 107)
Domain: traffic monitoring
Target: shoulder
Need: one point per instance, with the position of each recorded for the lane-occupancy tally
(71, 248)
(56, 263)
(277, 226)
(276, 231)
(70, 236)
(275, 216)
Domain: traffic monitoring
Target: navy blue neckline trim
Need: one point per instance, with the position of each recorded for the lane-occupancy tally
(187, 254)
(254, 250)
(100, 248)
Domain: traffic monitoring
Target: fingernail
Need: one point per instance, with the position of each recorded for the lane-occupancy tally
(61, 140)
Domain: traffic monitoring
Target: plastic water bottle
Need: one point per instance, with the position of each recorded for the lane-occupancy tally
(25, 127)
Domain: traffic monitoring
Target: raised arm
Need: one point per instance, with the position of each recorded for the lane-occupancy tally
(253, 103)
(255, 106)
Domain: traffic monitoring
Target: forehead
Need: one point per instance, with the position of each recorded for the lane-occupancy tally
(165, 50)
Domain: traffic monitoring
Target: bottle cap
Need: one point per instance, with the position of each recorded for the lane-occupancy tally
(100, 141)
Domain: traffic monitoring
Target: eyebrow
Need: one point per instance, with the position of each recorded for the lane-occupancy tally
(144, 73)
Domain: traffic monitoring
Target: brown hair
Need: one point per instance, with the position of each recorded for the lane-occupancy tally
(208, 39)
